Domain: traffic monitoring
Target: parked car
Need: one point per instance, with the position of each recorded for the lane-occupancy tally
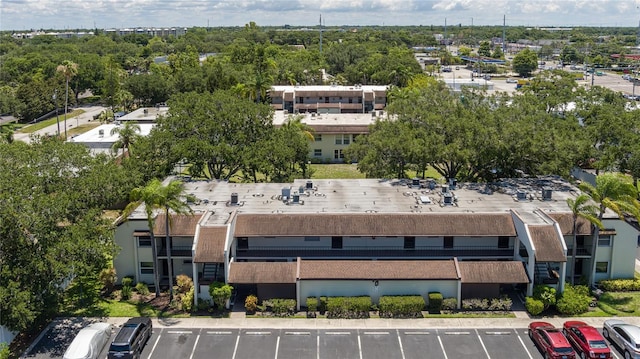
(511, 81)
(586, 339)
(446, 69)
(89, 341)
(131, 338)
(551, 341)
(624, 335)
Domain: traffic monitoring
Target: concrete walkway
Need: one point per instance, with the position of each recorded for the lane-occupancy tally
(72, 122)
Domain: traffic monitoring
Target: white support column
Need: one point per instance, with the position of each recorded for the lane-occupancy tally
(196, 283)
(562, 274)
(531, 268)
(459, 293)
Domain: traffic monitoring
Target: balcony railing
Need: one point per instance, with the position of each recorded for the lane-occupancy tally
(377, 252)
(580, 252)
(176, 251)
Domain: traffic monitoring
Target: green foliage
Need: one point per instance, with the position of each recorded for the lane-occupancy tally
(203, 304)
(127, 281)
(108, 278)
(184, 283)
(574, 300)
(408, 306)
(348, 307)
(4, 351)
(545, 294)
(281, 307)
(435, 302)
(312, 304)
(251, 303)
(620, 285)
(221, 293)
(142, 288)
(525, 62)
(449, 304)
(187, 300)
(475, 304)
(125, 293)
(534, 306)
(322, 304)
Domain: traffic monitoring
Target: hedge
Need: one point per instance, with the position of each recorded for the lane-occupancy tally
(405, 306)
(435, 302)
(312, 304)
(534, 306)
(574, 300)
(449, 304)
(620, 285)
(281, 307)
(348, 307)
(322, 304)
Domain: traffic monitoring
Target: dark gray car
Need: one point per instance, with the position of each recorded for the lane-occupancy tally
(131, 338)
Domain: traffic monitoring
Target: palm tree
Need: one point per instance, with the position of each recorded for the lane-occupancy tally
(68, 69)
(581, 208)
(128, 133)
(155, 196)
(612, 191)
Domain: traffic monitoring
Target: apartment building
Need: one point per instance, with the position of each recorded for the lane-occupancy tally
(328, 98)
(377, 237)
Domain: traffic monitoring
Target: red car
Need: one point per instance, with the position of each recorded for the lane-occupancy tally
(551, 341)
(587, 340)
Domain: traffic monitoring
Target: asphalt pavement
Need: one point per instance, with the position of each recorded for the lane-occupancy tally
(71, 122)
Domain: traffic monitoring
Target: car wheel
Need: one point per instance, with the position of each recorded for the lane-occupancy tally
(605, 333)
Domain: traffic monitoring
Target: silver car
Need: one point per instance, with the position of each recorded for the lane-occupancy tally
(89, 342)
(625, 336)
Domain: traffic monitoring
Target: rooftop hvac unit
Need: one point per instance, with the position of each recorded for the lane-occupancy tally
(521, 195)
(453, 182)
(286, 193)
(234, 198)
(432, 185)
(146, 111)
(415, 182)
(380, 113)
(295, 198)
(301, 189)
(309, 185)
(373, 114)
(448, 198)
(445, 188)
(546, 194)
(101, 133)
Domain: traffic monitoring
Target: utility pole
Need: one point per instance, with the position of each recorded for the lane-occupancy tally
(320, 34)
(504, 24)
(446, 47)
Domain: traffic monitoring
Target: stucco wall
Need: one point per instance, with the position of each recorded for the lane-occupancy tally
(126, 261)
(6, 336)
(622, 254)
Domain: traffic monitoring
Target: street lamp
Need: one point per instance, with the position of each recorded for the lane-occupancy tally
(55, 99)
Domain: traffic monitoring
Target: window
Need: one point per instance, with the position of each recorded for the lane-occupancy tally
(300, 99)
(350, 99)
(338, 139)
(602, 267)
(448, 242)
(336, 242)
(409, 242)
(326, 100)
(604, 241)
(312, 239)
(317, 137)
(187, 261)
(503, 242)
(243, 243)
(146, 267)
(317, 152)
(144, 241)
(346, 139)
(337, 154)
(580, 241)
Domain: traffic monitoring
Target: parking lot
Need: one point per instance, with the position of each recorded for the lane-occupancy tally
(193, 343)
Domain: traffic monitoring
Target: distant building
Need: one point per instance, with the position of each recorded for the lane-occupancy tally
(151, 31)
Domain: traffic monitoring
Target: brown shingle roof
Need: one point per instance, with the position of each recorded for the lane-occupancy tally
(210, 247)
(373, 270)
(182, 225)
(323, 224)
(262, 272)
(493, 272)
(565, 220)
(547, 243)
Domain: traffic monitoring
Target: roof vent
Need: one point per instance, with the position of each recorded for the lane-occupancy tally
(100, 133)
(448, 199)
(309, 185)
(453, 182)
(521, 195)
(546, 193)
(445, 188)
(286, 193)
(296, 198)
(234, 198)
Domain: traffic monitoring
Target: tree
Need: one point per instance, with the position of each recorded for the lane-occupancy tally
(68, 69)
(156, 196)
(484, 49)
(525, 62)
(581, 208)
(612, 191)
(127, 135)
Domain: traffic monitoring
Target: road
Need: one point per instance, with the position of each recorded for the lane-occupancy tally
(72, 122)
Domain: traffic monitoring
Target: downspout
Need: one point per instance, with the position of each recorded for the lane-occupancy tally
(298, 283)
(459, 294)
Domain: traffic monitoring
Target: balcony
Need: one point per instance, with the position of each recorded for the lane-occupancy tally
(176, 251)
(580, 252)
(376, 252)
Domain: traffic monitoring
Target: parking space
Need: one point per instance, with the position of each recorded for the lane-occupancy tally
(388, 343)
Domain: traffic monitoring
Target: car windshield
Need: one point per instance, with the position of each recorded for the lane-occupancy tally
(565, 350)
(598, 344)
(119, 348)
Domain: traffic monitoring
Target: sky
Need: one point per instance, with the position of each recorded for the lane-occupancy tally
(103, 14)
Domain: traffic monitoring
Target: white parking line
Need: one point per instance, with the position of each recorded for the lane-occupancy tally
(257, 333)
(442, 347)
(614, 353)
(194, 347)
(318, 347)
(376, 333)
(457, 333)
(524, 346)
(154, 347)
(219, 333)
(179, 332)
(416, 333)
(498, 333)
(482, 343)
(277, 347)
(235, 349)
(297, 333)
(400, 342)
(338, 333)
(359, 346)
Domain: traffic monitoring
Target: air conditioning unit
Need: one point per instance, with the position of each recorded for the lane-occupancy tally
(521, 195)
(546, 193)
(415, 182)
(101, 133)
(445, 188)
(453, 183)
(234, 198)
(448, 198)
(309, 185)
(286, 193)
(296, 198)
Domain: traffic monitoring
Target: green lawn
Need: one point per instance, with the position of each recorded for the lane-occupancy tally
(335, 171)
(620, 303)
(52, 121)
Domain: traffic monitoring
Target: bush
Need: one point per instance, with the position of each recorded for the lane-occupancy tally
(127, 282)
(281, 307)
(251, 303)
(574, 300)
(108, 278)
(142, 288)
(183, 283)
(4, 351)
(500, 304)
(312, 304)
(545, 294)
(534, 306)
(620, 285)
(322, 304)
(348, 307)
(220, 293)
(435, 302)
(187, 300)
(406, 306)
(125, 293)
(449, 304)
(203, 304)
(475, 304)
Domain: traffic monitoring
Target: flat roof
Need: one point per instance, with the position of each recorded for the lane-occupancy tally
(145, 114)
(331, 119)
(105, 137)
(320, 88)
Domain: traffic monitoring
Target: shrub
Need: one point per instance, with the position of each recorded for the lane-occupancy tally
(220, 293)
(348, 307)
(322, 304)
(312, 304)
(125, 293)
(435, 302)
(545, 294)
(142, 288)
(620, 285)
(183, 283)
(475, 304)
(406, 306)
(500, 304)
(282, 307)
(187, 300)
(574, 300)
(127, 282)
(534, 306)
(449, 304)
(108, 279)
(203, 304)
(4, 351)
(251, 303)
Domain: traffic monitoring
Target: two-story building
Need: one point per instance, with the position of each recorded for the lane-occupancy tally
(329, 98)
(377, 237)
